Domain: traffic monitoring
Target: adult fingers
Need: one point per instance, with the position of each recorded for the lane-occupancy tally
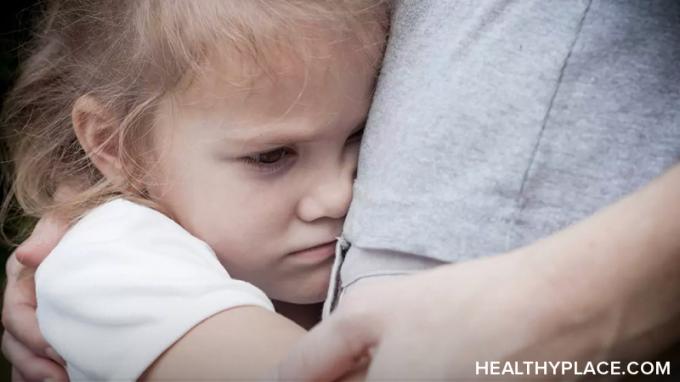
(16, 376)
(45, 236)
(18, 311)
(330, 350)
(29, 366)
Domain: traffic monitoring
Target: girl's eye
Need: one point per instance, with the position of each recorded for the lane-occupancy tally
(270, 160)
(270, 157)
(356, 137)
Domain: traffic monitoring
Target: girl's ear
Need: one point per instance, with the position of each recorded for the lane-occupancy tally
(97, 133)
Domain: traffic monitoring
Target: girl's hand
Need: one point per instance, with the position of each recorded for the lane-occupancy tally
(23, 345)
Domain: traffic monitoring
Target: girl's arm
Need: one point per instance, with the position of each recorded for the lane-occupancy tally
(244, 343)
(241, 343)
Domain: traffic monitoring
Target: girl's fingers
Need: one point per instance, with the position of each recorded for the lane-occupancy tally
(28, 366)
(330, 350)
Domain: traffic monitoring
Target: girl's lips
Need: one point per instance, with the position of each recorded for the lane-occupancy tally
(317, 253)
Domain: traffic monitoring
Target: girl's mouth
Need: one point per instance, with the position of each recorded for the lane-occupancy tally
(316, 253)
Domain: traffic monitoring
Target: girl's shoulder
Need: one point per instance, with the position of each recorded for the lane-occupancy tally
(122, 219)
(121, 236)
(128, 282)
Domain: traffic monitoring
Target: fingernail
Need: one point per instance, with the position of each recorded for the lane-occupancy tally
(54, 356)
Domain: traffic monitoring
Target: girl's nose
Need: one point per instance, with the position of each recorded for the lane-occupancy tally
(329, 197)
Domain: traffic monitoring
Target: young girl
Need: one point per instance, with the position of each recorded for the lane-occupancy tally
(208, 149)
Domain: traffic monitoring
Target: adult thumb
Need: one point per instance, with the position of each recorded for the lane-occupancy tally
(45, 236)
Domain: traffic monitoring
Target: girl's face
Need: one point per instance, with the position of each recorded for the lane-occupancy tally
(263, 173)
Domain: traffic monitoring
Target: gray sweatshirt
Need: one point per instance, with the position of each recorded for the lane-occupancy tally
(499, 122)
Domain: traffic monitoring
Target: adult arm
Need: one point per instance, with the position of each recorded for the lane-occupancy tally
(607, 287)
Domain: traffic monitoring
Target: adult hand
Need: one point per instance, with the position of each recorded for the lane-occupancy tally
(22, 343)
(607, 287)
(435, 325)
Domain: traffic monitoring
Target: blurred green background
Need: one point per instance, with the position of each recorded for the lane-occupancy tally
(16, 19)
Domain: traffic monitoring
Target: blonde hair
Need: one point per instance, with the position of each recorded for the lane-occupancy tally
(128, 55)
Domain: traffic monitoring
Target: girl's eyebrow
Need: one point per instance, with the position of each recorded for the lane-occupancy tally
(271, 137)
(278, 135)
